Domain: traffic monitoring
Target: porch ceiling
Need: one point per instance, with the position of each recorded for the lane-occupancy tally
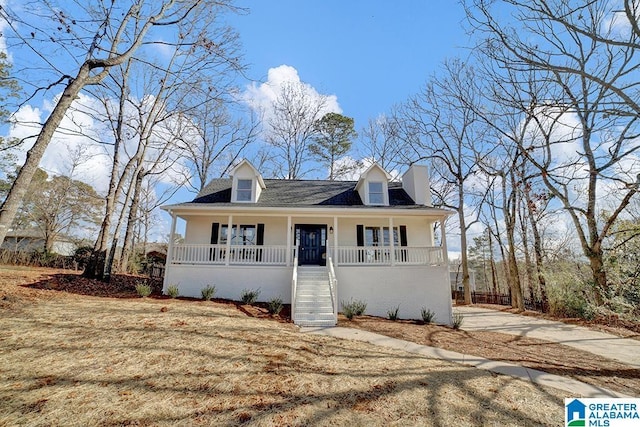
(200, 209)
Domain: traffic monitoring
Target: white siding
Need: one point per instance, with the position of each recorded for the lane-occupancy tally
(274, 282)
(198, 229)
(382, 288)
(415, 182)
(419, 230)
(410, 288)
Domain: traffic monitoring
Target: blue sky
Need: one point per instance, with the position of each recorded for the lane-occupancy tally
(370, 54)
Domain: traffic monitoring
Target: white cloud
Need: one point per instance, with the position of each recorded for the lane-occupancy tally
(85, 132)
(616, 24)
(561, 128)
(260, 97)
(355, 168)
(76, 134)
(25, 123)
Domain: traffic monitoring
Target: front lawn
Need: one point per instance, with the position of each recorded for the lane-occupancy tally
(70, 359)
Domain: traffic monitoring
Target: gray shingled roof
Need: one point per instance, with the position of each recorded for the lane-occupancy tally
(301, 193)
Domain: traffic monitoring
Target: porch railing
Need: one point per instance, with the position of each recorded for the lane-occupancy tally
(333, 283)
(294, 282)
(381, 255)
(277, 255)
(217, 254)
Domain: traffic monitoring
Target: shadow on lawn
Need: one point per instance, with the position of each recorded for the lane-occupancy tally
(222, 391)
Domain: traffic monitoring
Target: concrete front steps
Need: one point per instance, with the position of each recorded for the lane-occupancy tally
(313, 305)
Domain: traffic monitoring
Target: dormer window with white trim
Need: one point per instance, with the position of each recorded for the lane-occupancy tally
(373, 186)
(376, 193)
(244, 190)
(247, 183)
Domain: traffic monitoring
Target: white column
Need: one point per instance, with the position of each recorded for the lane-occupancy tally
(229, 227)
(335, 240)
(171, 238)
(391, 242)
(169, 261)
(289, 241)
(445, 254)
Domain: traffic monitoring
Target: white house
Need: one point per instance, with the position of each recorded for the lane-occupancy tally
(29, 240)
(315, 244)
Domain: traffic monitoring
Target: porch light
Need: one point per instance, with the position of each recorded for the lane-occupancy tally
(330, 230)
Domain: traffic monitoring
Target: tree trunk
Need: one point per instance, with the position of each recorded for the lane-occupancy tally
(463, 253)
(599, 275)
(34, 155)
(131, 221)
(527, 254)
(514, 277)
(114, 244)
(510, 202)
(96, 266)
(538, 254)
(48, 243)
(492, 260)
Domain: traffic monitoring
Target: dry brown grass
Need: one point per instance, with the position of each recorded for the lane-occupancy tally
(81, 360)
(533, 353)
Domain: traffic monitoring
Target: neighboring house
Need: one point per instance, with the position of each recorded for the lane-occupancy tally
(455, 277)
(315, 244)
(32, 240)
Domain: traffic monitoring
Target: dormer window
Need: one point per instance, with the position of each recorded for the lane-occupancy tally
(243, 191)
(247, 183)
(373, 186)
(376, 194)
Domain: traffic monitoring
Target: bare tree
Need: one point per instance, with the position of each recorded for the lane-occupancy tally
(146, 93)
(106, 36)
(212, 139)
(586, 125)
(441, 127)
(383, 142)
(596, 25)
(8, 89)
(58, 205)
(290, 127)
(501, 168)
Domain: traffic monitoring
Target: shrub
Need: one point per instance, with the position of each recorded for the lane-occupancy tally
(458, 318)
(353, 308)
(143, 289)
(249, 296)
(428, 316)
(569, 297)
(173, 291)
(208, 292)
(275, 306)
(393, 313)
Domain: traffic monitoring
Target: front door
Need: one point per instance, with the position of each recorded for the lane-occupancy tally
(311, 241)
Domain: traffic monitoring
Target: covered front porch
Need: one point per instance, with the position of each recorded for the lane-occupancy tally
(242, 239)
(384, 260)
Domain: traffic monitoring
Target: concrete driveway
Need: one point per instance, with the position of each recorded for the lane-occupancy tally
(622, 349)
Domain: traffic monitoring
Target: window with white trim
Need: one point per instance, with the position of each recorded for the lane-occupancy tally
(379, 236)
(376, 194)
(241, 235)
(243, 190)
